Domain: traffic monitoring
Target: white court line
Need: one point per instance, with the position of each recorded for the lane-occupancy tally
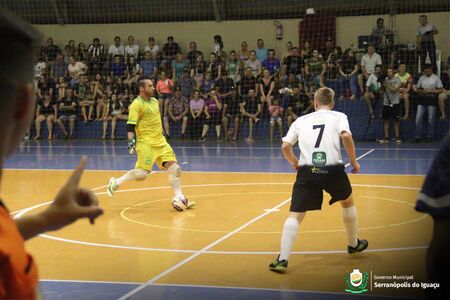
(203, 250)
(218, 241)
(210, 287)
(361, 156)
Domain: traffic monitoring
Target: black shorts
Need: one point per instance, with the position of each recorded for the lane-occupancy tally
(233, 107)
(216, 119)
(391, 112)
(307, 193)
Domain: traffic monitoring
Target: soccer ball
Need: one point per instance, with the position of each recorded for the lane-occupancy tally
(180, 204)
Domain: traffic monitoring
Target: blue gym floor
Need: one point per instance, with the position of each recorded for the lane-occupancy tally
(404, 159)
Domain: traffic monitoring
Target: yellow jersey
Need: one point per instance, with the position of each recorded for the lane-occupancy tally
(405, 79)
(147, 118)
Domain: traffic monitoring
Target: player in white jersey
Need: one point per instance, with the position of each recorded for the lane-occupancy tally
(320, 167)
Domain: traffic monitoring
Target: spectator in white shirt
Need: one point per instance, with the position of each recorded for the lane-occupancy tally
(368, 63)
(131, 49)
(152, 47)
(372, 90)
(75, 68)
(39, 66)
(116, 49)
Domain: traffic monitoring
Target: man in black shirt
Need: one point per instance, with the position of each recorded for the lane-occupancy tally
(248, 82)
(294, 64)
(226, 90)
(67, 110)
(251, 109)
(193, 53)
(170, 50)
(298, 104)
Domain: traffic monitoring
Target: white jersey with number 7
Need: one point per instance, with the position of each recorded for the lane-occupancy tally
(319, 137)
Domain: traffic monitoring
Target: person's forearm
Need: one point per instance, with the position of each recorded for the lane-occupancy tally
(349, 146)
(288, 153)
(30, 226)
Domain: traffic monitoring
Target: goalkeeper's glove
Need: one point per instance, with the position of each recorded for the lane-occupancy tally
(132, 146)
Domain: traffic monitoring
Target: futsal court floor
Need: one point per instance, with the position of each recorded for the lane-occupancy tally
(141, 248)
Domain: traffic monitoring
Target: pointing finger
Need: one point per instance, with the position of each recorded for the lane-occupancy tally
(76, 175)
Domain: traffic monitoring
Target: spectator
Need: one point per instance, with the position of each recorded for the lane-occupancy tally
(39, 67)
(114, 108)
(96, 55)
(81, 91)
(425, 41)
(391, 106)
(288, 53)
(266, 88)
(329, 48)
(405, 87)
(215, 66)
(69, 50)
(133, 72)
(118, 69)
(276, 112)
(373, 89)
(233, 67)
(254, 64)
(213, 107)
(164, 90)
(193, 54)
(445, 94)
(82, 53)
(50, 51)
(196, 115)
(152, 47)
(75, 68)
(313, 68)
(261, 52)
(429, 87)
(336, 55)
(149, 66)
(250, 109)
(368, 63)
(298, 104)
(123, 116)
(244, 54)
(218, 48)
(170, 50)
(121, 88)
(67, 111)
(45, 86)
(178, 109)
(116, 48)
(378, 35)
(61, 87)
(206, 85)
(45, 111)
(97, 86)
(186, 83)
(394, 60)
(271, 63)
(306, 52)
(59, 67)
(198, 69)
(293, 64)
(226, 90)
(331, 78)
(248, 82)
(178, 66)
(348, 68)
(131, 49)
(102, 107)
(290, 83)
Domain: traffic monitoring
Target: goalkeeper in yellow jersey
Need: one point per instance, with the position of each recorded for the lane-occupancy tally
(146, 139)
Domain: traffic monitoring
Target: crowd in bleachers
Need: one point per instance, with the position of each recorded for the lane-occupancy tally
(225, 89)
